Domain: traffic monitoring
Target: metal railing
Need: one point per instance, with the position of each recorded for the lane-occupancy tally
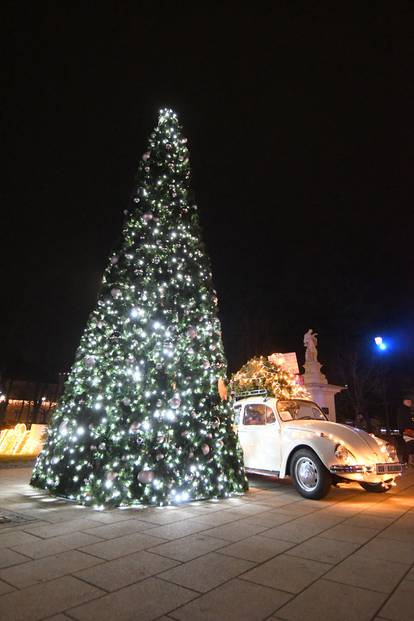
(260, 392)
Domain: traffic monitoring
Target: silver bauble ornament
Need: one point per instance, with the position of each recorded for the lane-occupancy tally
(63, 428)
(90, 362)
(175, 402)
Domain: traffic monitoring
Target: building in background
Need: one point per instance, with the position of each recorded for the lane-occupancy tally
(28, 402)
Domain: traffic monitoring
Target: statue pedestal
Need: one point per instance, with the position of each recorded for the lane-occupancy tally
(321, 392)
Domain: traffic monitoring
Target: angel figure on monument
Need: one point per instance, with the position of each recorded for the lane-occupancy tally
(310, 341)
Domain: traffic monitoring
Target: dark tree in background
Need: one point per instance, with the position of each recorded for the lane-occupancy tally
(141, 420)
(360, 373)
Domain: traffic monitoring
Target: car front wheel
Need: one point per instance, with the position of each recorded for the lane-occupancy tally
(376, 488)
(310, 477)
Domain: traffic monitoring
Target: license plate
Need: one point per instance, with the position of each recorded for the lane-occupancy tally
(388, 468)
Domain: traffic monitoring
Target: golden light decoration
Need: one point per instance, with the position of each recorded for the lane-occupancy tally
(22, 441)
(269, 374)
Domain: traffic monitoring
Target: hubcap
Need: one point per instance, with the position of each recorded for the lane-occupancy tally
(306, 474)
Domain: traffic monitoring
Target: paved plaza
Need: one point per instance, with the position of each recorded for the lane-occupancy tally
(267, 555)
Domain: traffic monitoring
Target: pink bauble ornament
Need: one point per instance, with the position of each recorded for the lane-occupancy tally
(116, 293)
(146, 157)
(134, 427)
(146, 476)
(192, 332)
(205, 449)
(114, 260)
(147, 216)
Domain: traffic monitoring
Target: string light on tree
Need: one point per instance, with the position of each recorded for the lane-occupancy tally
(141, 419)
(269, 374)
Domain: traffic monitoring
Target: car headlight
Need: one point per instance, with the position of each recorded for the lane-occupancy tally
(345, 456)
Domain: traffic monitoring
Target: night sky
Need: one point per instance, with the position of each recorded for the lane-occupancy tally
(300, 126)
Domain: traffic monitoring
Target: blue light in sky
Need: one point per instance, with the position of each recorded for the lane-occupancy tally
(379, 342)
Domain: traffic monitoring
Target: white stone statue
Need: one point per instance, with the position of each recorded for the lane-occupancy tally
(310, 341)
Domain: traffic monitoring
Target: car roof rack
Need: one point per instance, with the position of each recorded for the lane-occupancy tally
(260, 392)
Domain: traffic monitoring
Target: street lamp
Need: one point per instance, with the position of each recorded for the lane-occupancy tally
(380, 343)
(382, 346)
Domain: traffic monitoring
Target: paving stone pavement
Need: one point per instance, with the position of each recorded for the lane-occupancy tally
(267, 555)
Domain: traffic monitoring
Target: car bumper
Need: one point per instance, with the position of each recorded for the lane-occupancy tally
(390, 468)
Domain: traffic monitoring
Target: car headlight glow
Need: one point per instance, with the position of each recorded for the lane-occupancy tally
(345, 456)
(386, 448)
(392, 451)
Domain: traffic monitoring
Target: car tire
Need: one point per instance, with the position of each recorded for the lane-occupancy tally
(376, 488)
(309, 475)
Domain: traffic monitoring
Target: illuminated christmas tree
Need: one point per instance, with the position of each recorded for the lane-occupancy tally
(268, 374)
(141, 419)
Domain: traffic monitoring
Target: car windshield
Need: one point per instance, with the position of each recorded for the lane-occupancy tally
(296, 409)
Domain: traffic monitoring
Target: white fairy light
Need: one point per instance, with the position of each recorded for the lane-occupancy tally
(136, 349)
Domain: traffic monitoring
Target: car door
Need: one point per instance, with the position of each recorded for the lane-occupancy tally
(259, 434)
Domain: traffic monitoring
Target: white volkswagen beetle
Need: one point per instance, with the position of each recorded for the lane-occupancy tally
(292, 437)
